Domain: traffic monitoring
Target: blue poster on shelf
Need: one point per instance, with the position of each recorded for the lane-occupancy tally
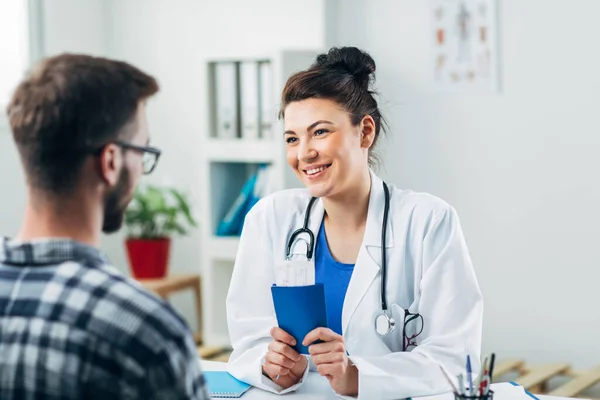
(232, 222)
(251, 193)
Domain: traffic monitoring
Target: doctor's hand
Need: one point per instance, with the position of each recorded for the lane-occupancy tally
(283, 365)
(332, 361)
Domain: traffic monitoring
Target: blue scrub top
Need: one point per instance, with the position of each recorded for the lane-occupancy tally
(335, 277)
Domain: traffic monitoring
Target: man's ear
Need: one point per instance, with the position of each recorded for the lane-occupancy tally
(111, 162)
(367, 131)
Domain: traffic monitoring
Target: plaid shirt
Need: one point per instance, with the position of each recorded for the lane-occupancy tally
(72, 327)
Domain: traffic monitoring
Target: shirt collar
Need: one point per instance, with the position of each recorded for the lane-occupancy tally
(50, 251)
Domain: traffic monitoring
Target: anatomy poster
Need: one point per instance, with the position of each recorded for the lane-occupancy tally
(465, 54)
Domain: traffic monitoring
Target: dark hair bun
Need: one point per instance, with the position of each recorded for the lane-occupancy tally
(349, 60)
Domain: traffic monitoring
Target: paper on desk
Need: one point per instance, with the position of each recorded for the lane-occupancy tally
(295, 272)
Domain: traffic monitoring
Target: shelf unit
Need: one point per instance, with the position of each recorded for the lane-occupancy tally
(226, 165)
(240, 150)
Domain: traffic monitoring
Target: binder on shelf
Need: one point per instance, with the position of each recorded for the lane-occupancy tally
(226, 99)
(249, 99)
(267, 109)
(264, 183)
(252, 191)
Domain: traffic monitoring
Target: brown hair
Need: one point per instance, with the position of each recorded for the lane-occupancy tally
(344, 75)
(66, 108)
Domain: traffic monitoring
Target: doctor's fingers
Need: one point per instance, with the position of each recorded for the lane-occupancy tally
(329, 358)
(273, 370)
(282, 336)
(327, 347)
(279, 360)
(285, 350)
(324, 334)
(331, 370)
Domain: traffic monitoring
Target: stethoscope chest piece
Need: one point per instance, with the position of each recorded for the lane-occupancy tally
(384, 323)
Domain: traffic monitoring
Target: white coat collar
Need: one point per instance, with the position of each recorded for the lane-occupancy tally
(372, 236)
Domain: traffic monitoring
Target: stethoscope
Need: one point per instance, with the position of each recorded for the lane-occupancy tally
(384, 323)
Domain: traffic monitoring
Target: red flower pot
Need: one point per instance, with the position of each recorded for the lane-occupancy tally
(148, 258)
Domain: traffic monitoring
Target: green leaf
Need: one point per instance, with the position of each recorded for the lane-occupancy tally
(150, 215)
(182, 202)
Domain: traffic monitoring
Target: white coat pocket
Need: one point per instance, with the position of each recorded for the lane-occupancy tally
(409, 326)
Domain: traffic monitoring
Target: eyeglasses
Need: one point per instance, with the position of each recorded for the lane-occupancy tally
(409, 341)
(150, 155)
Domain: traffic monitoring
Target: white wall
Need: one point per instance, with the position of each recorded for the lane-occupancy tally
(12, 188)
(172, 40)
(69, 25)
(75, 26)
(521, 166)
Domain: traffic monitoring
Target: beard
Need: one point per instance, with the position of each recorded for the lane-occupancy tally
(116, 203)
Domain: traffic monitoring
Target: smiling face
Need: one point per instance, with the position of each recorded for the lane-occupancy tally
(327, 152)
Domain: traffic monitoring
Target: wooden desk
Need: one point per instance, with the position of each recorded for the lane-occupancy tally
(164, 287)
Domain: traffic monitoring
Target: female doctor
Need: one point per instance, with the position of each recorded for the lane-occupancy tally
(401, 295)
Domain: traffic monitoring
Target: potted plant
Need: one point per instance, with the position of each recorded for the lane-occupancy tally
(152, 218)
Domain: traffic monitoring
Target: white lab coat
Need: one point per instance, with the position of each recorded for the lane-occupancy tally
(429, 272)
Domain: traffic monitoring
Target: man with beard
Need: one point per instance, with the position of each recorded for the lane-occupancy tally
(71, 326)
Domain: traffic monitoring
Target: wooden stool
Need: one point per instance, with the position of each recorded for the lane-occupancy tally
(582, 381)
(163, 287)
(503, 367)
(536, 378)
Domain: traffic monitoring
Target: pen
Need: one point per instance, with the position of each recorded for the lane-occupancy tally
(491, 369)
(469, 375)
(488, 382)
(449, 380)
(482, 372)
(482, 384)
(485, 365)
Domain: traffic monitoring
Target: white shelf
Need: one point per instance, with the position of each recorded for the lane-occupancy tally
(240, 150)
(223, 247)
(226, 166)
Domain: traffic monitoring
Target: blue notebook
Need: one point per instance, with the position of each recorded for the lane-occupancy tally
(299, 310)
(221, 384)
(233, 221)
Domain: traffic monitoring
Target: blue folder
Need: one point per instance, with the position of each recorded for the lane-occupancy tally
(299, 310)
(221, 384)
(232, 223)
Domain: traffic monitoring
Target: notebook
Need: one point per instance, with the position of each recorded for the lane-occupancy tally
(221, 384)
(299, 310)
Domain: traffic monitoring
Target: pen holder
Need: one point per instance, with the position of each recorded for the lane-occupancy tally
(488, 396)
